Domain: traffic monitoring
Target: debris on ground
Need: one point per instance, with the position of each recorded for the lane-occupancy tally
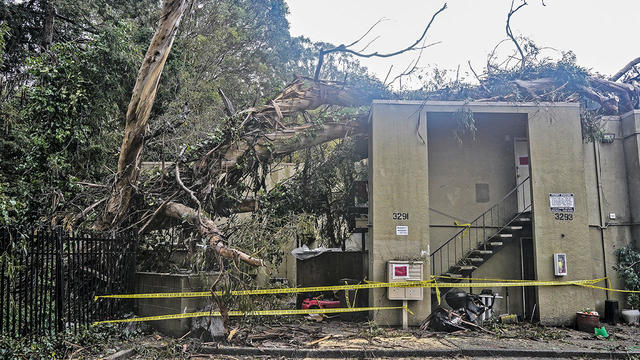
(335, 334)
(467, 309)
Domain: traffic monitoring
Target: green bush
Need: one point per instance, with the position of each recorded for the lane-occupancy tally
(628, 269)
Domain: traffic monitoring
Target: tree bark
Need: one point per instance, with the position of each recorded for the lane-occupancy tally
(47, 23)
(624, 70)
(281, 143)
(144, 93)
(208, 230)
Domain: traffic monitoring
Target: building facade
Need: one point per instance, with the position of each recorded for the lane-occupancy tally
(501, 200)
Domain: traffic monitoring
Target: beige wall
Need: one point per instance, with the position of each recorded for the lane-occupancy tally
(631, 139)
(398, 183)
(557, 166)
(455, 167)
(605, 233)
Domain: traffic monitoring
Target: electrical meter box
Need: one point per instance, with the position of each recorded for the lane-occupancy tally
(402, 271)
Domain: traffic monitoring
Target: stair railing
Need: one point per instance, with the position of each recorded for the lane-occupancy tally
(475, 235)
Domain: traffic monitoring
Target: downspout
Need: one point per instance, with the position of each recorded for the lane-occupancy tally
(596, 154)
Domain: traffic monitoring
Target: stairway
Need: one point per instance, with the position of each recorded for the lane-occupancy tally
(479, 240)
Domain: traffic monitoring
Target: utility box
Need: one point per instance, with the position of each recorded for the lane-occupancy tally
(402, 271)
(560, 264)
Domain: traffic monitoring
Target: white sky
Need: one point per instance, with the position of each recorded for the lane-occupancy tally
(602, 34)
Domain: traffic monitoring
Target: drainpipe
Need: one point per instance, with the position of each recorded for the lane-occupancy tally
(596, 154)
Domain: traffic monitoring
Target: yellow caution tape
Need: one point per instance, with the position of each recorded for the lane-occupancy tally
(609, 289)
(268, 291)
(425, 284)
(468, 226)
(592, 281)
(254, 313)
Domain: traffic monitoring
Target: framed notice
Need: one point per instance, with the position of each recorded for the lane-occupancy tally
(561, 202)
(400, 271)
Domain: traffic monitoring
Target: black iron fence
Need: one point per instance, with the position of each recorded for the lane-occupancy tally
(48, 280)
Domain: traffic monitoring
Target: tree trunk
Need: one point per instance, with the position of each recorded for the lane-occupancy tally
(144, 93)
(47, 23)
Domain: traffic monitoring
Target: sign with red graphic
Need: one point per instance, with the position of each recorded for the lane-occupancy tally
(524, 160)
(400, 271)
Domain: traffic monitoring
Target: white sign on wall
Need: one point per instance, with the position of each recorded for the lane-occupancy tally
(402, 230)
(561, 202)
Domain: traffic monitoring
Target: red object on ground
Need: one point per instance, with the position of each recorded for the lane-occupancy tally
(320, 304)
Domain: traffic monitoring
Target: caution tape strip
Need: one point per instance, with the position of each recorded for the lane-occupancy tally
(424, 284)
(266, 291)
(609, 289)
(500, 280)
(254, 313)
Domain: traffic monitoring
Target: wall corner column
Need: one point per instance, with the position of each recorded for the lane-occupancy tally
(631, 143)
(398, 184)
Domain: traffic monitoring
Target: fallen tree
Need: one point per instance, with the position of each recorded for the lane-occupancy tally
(253, 137)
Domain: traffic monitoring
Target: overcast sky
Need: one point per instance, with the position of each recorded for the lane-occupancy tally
(602, 34)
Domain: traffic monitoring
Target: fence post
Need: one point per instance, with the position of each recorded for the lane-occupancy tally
(59, 284)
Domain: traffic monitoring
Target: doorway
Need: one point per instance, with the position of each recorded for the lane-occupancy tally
(521, 150)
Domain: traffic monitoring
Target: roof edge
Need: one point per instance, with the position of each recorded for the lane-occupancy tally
(477, 103)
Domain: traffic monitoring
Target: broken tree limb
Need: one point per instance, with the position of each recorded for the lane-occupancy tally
(625, 69)
(621, 90)
(142, 98)
(282, 143)
(209, 231)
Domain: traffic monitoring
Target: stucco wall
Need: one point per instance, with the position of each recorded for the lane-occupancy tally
(455, 167)
(557, 166)
(398, 183)
(631, 140)
(605, 233)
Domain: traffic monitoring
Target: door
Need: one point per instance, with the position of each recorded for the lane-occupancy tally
(521, 148)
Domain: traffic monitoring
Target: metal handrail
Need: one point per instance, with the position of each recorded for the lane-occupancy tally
(477, 225)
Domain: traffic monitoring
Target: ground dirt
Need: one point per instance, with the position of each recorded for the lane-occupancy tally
(336, 334)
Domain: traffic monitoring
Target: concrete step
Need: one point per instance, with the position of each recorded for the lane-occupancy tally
(496, 243)
(465, 267)
(483, 252)
(503, 236)
(512, 228)
(454, 275)
(475, 259)
(524, 219)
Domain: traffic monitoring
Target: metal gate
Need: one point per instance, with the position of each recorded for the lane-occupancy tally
(48, 280)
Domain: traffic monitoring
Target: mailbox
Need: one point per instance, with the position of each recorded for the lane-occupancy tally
(402, 271)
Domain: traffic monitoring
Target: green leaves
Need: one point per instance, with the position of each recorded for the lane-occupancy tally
(67, 121)
(628, 269)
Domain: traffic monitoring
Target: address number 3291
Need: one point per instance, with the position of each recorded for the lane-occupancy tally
(400, 216)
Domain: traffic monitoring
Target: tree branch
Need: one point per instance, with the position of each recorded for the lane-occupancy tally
(345, 48)
(624, 70)
(209, 231)
(510, 33)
